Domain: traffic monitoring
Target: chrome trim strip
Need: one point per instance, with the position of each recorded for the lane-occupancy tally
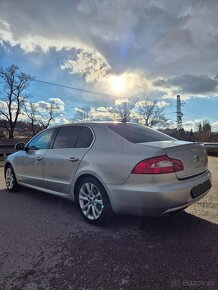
(192, 176)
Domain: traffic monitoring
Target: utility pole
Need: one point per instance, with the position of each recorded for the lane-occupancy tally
(124, 119)
(179, 113)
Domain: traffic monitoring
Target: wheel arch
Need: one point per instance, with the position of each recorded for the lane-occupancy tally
(8, 163)
(85, 175)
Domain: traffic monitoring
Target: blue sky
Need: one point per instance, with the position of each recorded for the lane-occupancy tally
(158, 49)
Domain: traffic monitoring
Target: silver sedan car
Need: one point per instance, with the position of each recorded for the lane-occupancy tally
(112, 167)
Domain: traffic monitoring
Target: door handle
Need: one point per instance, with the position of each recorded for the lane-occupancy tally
(73, 159)
(38, 158)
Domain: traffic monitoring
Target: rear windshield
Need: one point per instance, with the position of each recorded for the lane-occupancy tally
(138, 133)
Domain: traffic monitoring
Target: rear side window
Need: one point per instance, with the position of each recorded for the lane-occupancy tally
(66, 137)
(85, 138)
(138, 133)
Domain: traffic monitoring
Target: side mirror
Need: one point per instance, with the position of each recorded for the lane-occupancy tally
(20, 146)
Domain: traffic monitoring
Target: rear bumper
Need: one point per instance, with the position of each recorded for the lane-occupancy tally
(144, 195)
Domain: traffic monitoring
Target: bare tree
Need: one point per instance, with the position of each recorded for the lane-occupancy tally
(203, 131)
(122, 109)
(14, 84)
(32, 114)
(151, 113)
(41, 118)
(207, 128)
(48, 116)
(82, 114)
(198, 126)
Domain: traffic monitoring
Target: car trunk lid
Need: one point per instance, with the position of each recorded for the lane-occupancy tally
(192, 155)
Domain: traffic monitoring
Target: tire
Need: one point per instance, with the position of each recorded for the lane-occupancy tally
(93, 201)
(10, 179)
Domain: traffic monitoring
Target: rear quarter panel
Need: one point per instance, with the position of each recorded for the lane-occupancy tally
(112, 158)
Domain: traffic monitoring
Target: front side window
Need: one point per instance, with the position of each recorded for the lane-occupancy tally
(41, 141)
(66, 137)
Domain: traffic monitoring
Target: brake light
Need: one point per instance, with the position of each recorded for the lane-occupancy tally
(158, 165)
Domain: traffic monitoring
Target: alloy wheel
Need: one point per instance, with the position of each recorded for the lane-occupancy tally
(90, 201)
(9, 178)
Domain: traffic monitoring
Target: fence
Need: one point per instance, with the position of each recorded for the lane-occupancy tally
(8, 146)
(211, 145)
(212, 148)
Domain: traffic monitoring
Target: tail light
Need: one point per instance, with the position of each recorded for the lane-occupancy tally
(158, 165)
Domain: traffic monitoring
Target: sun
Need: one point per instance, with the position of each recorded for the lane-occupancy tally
(117, 83)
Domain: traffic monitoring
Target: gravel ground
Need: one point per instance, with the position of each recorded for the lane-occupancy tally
(45, 244)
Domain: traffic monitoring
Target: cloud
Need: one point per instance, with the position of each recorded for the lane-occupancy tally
(57, 103)
(94, 69)
(214, 126)
(190, 84)
(3, 105)
(120, 101)
(102, 114)
(41, 105)
(59, 120)
(101, 109)
(91, 65)
(162, 104)
(159, 37)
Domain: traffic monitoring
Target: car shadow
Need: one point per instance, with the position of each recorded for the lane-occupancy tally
(180, 223)
(177, 221)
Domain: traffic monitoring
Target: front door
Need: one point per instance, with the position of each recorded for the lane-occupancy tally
(29, 163)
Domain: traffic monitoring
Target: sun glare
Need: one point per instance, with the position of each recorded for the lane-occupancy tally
(117, 83)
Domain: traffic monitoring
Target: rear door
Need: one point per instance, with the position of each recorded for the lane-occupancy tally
(62, 160)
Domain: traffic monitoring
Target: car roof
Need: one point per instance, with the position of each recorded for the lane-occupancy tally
(95, 124)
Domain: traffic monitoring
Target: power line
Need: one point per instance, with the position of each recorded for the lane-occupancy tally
(100, 94)
(73, 88)
(196, 113)
(199, 112)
